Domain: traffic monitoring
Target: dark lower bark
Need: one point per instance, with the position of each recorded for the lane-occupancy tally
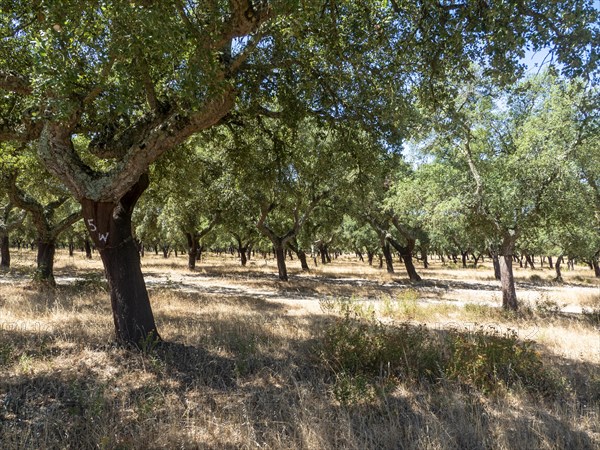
(243, 256)
(4, 252)
(88, 249)
(193, 245)
(596, 267)
(496, 264)
(550, 263)
(509, 294)
(281, 267)
(464, 256)
(45, 262)
(109, 225)
(370, 256)
(387, 254)
(557, 268)
(303, 263)
(424, 257)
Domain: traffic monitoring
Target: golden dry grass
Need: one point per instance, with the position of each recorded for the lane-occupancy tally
(242, 369)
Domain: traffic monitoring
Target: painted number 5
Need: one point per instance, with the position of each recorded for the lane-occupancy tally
(93, 228)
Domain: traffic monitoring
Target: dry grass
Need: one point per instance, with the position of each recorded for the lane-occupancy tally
(243, 370)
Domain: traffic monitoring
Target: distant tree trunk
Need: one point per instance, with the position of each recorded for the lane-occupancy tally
(281, 267)
(71, 247)
(303, 263)
(165, 251)
(4, 252)
(507, 280)
(370, 256)
(387, 254)
(193, 244)
(295, 247)
(559, 262)
(464, 256)
(596, 267)
(45, 262)
(109, 225)
(476, 259)
(496, 264)
(359, 255)
(550, 262)
(424, 257)
(571, 263)
(406, 255)
(88, 248)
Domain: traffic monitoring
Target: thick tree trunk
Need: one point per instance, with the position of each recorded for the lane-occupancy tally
(4, 252)
(109, 225)
(387, 254)
(507, 280)
(303, 262)
(45, 262)
(550, 263)
(281, 267)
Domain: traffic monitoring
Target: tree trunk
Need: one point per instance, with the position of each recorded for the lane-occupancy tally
(550, 262)
(424, 257)
(281, 267)
(596, 267)
(496, 264)
(4, 252)
(109, 225)
(45, 262)
(389, 262)
(406, 255)
(463, 256)
(88, 249)
(193, 245)
(509, 294)
(557, 265)
(507, 280)
(370, 256)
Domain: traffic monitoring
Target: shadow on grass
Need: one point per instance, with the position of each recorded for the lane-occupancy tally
(246, 378)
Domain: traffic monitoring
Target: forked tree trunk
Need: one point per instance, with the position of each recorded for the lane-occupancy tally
(507, 280)
(109, 225)
(4, 252)
(45, 262)
(281, 267)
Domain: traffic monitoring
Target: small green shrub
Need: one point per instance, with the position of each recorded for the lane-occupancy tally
(546, 307)
(357, 347)
(490, 359)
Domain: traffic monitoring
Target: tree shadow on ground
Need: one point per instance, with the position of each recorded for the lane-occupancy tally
(253, 379)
